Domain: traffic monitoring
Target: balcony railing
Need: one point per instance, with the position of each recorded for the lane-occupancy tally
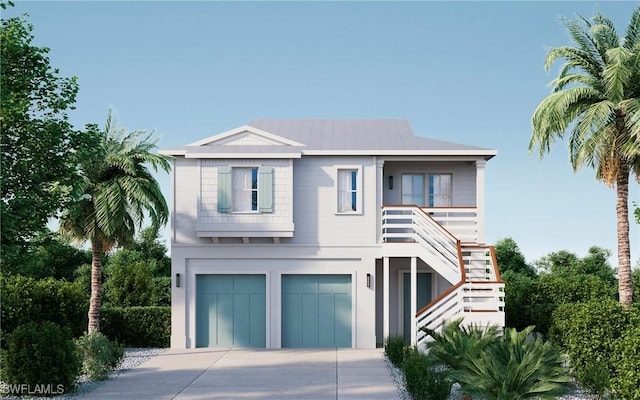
(461, 222)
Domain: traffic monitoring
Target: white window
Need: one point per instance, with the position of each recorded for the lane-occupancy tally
(349, 180)
(440, 190)
(437, 190)
(413, 189)
(245, 189)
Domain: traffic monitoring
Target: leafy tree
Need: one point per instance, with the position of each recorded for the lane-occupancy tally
(148, 244)
(565, 264)
(518, 291)
(596, 100)
(129, 280)
(635, 279)
(510, 258)
(116, 193)
(38, 143)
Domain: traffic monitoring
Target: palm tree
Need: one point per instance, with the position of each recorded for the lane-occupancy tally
(596, 100)
(116, 193)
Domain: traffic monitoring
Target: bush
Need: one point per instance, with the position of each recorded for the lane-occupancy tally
(550, 291)
(27, 300)
(422, 378)
(394, 349)
(127, 285)
(626, 363)
(137, 326)
(517, 366)
(99, 355)
(589, 332)
(518, 292)
(161, 293)
(42, 356)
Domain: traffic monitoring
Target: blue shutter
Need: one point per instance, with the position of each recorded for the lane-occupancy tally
(224, 189)
(265, 189)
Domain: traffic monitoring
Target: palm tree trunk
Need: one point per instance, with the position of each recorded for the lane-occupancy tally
(625, 291)
(96, 286)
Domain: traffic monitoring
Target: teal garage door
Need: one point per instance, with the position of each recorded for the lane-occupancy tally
(316, 311)
(230, 311)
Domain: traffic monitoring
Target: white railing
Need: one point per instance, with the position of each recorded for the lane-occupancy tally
(479, 297)
(401, 224)
(462, 222)
(477, 292)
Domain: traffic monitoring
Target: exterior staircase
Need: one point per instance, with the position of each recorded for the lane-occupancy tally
(477, 292)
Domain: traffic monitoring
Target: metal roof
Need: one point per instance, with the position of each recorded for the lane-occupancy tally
(333, 137)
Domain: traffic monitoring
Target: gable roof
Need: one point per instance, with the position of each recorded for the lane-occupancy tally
(291, 138)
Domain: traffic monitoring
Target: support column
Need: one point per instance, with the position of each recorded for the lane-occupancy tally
(414, 299)
(480, 164)
(379, 197)
(385, 297)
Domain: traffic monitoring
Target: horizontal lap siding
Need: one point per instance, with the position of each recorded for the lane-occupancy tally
(316, 203)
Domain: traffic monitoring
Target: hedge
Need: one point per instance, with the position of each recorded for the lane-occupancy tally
(26, 300)
(137, 326)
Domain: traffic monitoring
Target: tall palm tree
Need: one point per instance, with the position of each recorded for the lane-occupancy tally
(116, 193)
(596, 100)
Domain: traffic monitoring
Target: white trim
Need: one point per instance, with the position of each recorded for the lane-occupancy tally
(359, 188)
(383, 152)
(240, 155)
(242, 129)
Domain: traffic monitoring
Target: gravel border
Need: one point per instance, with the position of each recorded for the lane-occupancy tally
(131, 359)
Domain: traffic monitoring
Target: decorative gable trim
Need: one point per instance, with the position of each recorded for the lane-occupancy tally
(242, 132)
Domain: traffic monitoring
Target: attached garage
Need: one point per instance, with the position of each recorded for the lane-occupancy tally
(230, 311)
(316, 311)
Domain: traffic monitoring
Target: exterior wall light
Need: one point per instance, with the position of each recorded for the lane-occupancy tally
(177, 280)
(368, 280)
(390, 182)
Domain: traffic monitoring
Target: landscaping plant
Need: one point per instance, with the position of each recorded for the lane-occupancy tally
(41, 359)
(424, 379)
(394, 349)
(99, 355)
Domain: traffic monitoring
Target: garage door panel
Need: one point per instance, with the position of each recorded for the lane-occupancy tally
(316, 311)
(230, 311)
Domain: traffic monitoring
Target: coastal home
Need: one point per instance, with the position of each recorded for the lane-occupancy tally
(327, 233)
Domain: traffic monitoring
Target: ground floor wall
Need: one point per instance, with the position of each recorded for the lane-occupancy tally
(399, 269)
(279, 265)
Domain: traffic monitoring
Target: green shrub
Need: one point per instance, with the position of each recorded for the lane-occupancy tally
(394, 349)
(517, 366)
(518, 291)
(137, 326)
(626, 363)
(423, 379)
(99, 355)
(41, 353)
(550, 291)
(589, 332)
(127, 285)
(27, 300)
(161, 293)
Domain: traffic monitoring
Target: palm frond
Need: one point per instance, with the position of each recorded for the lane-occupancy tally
(632, 35)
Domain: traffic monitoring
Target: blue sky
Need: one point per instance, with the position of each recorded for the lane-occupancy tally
(468, 72)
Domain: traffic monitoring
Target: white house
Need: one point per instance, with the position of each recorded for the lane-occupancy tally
(327, 233)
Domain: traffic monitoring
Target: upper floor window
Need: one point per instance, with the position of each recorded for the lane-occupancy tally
(349, 190)
(245, 189)
(440, 190)
(437, 190)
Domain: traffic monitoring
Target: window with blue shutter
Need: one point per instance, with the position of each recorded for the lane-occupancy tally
(245, 189)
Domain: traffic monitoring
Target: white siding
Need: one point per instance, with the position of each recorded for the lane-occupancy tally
(186, 184)
(315, 197)
(282, 212)
(463, 179)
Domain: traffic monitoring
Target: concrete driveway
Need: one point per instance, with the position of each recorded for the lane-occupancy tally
(255, 374)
